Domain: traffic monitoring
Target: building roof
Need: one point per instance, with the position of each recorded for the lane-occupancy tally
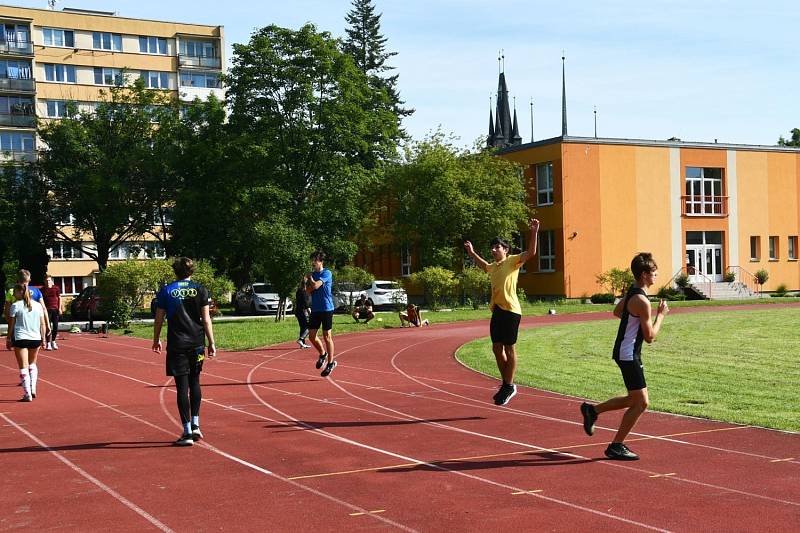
(105, 14)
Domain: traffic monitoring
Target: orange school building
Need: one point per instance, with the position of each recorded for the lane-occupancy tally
(701, 208)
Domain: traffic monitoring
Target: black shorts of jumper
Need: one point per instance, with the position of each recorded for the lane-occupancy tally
(504, 326)
(27, 344)
(632, 374)
(184, 362)
(321, 318)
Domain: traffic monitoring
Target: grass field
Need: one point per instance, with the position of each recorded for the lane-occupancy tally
(738, 366)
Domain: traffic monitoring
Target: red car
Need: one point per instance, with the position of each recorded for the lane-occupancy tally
(88, 301)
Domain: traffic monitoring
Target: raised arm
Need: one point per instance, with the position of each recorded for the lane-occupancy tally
(528, 254)
(479, 261)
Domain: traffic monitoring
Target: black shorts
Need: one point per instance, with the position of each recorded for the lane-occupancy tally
(632, 374)
(183, 362)
(25, 343)
(321, 318)
(504, 326)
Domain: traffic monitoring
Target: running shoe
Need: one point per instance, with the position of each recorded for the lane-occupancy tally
(302, 344)
(620, 452)
(196, 433)
(48, 346)
(328, 369)
(55, 346)
(185, 440)
(505, 394)
(589, 418)
(321, 360)
(26, 398)
(497, 394)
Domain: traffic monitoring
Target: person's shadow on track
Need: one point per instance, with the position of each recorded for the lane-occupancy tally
(89, 446)
(306, 425)
(532, 459)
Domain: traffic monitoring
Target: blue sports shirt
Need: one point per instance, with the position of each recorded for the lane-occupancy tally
(322, 298)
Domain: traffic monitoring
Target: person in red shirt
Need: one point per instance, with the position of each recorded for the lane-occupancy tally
(51, 294)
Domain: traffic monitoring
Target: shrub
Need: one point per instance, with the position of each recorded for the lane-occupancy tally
(476, 285)
(761, 276)
(682, 281)
(780, 291)
(729, 276)
(602, 298)
(617, 281)
(671, 293)
(436, 282)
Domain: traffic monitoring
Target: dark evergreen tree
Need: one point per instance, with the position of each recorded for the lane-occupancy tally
(367, 46)
(794, 140)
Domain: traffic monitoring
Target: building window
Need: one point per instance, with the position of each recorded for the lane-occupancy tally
(704, 192)
(793, 248)
(57, 108)
(16, 142)
(200, 79)
(153, 250)
(547, 251)
(108, 76)
(68, 220)
(63, 250)
(16, 70)
(152, 45)
(198, 49)
(16, 35)
(69, 285)
(16, 105)
(107, 41)
(59, 73)
(755, 248)
(544, 184)
(773, 248)
(119, 251)
(155, 80)
(405, 261)
(56, 37)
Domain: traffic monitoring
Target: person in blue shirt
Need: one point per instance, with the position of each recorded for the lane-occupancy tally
(319, 283)
(185, 304)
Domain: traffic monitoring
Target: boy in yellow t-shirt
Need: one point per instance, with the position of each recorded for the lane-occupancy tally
(506, 311)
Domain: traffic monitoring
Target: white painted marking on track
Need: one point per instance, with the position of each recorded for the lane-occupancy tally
(105, 488)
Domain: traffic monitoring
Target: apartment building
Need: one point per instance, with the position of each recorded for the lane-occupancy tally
(49, 58)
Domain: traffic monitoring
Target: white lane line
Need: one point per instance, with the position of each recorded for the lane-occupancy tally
(214, 449)
(105, 488)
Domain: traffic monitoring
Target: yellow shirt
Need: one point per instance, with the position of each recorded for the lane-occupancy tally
(504, 284)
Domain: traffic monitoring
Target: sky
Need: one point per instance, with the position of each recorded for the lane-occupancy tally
(698, 70)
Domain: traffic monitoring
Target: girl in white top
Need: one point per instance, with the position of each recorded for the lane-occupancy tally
(27, 321)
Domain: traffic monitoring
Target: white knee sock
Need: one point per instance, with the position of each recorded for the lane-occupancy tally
(26, 381)
(33, 370)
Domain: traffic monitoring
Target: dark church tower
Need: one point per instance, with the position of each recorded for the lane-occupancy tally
(505, 131)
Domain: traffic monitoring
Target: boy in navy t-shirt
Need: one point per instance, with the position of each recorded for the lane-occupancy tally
(186, 307)
(319, 283)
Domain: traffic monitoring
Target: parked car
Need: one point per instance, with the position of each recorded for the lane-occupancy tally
(258, 298)
(87, 301)
(386, 293)
(345, 293)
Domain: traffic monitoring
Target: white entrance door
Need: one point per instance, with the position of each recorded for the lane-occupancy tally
(704, 262)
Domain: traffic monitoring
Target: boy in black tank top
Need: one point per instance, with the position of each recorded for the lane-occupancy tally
(635, 326)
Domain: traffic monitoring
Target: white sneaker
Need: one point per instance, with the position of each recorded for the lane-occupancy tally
(55, 346)
(48, 346)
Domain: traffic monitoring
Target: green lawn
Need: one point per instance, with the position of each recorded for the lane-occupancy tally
(738, 366)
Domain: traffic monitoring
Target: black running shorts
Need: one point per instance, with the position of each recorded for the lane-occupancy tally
(632, 374)
(26, 343)
(183, 362)
(504, 326)
(321, 318)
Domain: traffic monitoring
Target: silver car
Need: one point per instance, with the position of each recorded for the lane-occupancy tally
(386, 293)
(258, 299)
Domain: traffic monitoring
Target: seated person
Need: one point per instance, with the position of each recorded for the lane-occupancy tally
(412, 317)
(363, 309)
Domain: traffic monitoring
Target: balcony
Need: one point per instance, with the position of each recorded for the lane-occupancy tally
(17, 120)
(704, 206)
(20, 85)
(199, 62)
(16, 48)
(12, 155)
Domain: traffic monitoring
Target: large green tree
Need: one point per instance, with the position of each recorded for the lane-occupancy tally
(440, 195)
(367, 46)
(109, 169)
(307, 134)
(794, 140)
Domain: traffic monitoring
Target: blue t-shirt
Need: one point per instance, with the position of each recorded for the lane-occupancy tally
(322, 298)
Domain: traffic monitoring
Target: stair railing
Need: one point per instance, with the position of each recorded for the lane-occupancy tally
(745, 278)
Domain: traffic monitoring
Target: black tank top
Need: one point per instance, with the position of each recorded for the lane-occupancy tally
(628, 345)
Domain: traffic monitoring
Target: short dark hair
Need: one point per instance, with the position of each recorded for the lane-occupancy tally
(317, 255)
(183, 267)
(643, 262)
(500, 241)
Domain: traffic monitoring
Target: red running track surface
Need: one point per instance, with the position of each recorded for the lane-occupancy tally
(400, 437)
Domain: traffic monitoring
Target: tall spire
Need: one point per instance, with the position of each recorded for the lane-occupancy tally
(491, 124)
(504, 129)
(563, 97)
(531, 119)
(516, 138)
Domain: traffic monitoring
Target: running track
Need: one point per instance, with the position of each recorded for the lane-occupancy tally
(402, 437)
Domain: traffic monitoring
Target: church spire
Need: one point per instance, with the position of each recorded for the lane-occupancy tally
(516, 138)
(504, 130)
(563, 97)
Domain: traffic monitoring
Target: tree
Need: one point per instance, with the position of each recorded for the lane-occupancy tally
(306, 134)
(436, 282)
(367, 46)
(440, 195)
(793, 141)
(108, 168)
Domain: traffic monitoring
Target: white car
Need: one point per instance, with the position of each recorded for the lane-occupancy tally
(344, 294)
(258, 298)
(386, 293)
